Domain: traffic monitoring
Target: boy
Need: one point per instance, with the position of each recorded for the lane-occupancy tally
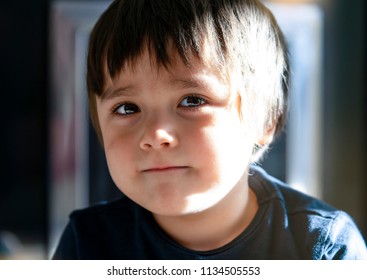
(184, 96)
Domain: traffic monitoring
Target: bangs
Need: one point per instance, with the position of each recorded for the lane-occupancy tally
(127, 28)
(238, 38)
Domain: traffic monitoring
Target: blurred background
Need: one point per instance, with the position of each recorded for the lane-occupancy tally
(51, 162)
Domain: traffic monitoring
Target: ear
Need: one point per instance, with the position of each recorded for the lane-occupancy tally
(268, 135)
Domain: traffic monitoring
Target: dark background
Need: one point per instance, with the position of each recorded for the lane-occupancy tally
(23, 75)
(24, 86)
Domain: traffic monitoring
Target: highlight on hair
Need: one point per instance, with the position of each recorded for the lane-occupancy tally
(239, 37)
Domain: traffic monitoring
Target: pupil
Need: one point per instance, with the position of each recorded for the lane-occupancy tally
(130, 108)
(193, 101)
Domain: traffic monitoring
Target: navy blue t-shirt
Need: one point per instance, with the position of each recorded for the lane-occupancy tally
(288, 225)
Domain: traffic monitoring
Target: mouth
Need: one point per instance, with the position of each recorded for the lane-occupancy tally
(162, 169)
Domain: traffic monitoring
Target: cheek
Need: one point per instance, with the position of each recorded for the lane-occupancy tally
(230, 146)
(230, 135)
(233, 149)
(119, 155)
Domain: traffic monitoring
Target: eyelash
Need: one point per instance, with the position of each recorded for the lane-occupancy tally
(202, 102)
(117, 107)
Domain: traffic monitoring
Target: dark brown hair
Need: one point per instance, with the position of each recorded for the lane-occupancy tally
(242, 35)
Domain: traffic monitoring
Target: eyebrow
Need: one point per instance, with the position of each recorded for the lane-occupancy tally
(113, 93)
(127, 91)
(186, 83)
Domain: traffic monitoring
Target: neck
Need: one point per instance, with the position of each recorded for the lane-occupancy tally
(216, 226)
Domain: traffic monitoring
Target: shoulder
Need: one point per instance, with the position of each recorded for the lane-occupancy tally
(99, 231)
(329, 233)
(270, 189)
(344, 240)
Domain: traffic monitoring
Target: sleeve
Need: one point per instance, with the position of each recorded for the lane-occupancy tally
(344, 240)
(67, 247)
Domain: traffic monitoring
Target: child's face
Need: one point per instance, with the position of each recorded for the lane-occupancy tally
(174, 141)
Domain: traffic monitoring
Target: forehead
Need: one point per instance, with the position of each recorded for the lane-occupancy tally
(190, 73)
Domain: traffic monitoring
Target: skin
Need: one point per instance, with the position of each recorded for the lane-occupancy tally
(176, 145)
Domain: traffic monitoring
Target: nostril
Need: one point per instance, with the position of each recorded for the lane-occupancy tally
(158, 139)
(146, 146)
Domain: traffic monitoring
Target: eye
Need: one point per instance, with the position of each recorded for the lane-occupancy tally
(126, 109)
(192, 101)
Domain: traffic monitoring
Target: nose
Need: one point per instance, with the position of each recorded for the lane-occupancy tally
(158, 138)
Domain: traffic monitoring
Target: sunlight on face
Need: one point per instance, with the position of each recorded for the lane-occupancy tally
(174, 141)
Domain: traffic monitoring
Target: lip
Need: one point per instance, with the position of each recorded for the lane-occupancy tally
(162, 169)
